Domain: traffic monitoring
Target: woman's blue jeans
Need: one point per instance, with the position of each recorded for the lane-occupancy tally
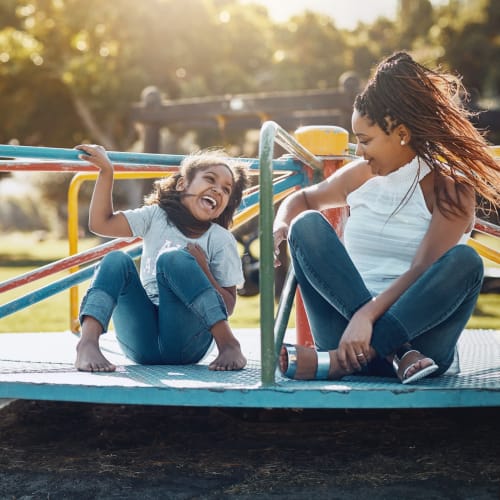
(430, 315)
(177, 331)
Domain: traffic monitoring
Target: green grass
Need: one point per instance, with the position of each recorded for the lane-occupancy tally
(20, 253)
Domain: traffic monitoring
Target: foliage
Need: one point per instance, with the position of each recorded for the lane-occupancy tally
(70, 69)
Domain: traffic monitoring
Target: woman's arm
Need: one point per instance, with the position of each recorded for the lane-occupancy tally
(330, 193)
(102, 218)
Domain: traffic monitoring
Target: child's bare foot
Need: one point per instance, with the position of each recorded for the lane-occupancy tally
(301, 363)
(89, 358)
(230, 356)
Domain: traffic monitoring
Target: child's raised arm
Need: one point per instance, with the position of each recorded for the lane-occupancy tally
(102, 218)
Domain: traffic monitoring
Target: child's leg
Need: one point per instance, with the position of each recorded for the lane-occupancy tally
(192, 313)
(116, 281)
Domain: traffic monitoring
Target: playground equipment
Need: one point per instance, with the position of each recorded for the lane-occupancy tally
(40, 365)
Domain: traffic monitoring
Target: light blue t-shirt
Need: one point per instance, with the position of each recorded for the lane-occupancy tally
(151, 223)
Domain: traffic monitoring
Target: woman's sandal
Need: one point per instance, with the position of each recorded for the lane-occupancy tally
(407, 361)
(290, 351)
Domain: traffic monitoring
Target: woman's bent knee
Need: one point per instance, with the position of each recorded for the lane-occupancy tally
(464, 259)
(307, 224)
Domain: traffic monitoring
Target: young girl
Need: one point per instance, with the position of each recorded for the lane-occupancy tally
(189, 267)
(394, 297)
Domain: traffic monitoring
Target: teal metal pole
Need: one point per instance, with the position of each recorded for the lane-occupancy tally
(266, 276)
(64, 154)
(284, 309)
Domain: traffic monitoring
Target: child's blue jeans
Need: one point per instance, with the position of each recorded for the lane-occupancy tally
(430, 314)
(177, 331)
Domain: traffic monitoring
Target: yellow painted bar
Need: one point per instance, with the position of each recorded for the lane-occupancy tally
(485, 250)
(324, 140)
(73, 191)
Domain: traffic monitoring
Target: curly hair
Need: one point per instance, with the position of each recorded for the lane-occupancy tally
(428, 103)
(170, 200)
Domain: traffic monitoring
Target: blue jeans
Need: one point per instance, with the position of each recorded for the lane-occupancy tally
(430, 314)
(177, 331)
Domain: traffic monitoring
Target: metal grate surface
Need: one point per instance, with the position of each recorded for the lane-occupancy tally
(40, 366)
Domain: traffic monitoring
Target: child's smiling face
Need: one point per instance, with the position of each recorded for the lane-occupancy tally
(208, 194)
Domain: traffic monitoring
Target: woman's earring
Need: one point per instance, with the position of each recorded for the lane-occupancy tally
(402, 142)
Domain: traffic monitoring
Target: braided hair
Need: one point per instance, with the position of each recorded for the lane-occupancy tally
(428, 103)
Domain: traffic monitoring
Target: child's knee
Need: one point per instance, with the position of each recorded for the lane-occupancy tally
(117, 257)
(172, 259)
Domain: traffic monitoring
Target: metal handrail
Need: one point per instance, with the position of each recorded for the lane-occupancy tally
(270, 134)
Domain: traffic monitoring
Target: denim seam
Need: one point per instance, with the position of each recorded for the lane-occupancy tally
(190, 305)
(446, 314)
(339, 305)
(91, 294)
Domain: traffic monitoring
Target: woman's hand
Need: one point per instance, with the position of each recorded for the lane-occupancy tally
(354, 348)
(96, 155)
(280, 234)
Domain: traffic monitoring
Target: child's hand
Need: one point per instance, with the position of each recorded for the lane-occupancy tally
(96, 155)
(197, 252)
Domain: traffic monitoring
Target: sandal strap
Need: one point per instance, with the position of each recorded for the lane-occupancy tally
(323, 365)
(292, 361)
(403, 364)
(322, 370)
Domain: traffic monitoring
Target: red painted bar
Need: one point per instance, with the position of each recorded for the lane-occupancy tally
(66, 263)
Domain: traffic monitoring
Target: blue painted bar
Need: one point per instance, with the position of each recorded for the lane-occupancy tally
(72, 155)
(55, 287)
(39, 154)
(295, 180)
(264, 397)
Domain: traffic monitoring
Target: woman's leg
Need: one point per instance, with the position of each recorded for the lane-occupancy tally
(333, 290)
(192, 314)
(116, 289)
(433, 312)
(330, 284)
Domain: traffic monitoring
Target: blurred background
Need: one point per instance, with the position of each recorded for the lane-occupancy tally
(74, 71)
(70, 70)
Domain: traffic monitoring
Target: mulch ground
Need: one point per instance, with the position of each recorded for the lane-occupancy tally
(54, 450)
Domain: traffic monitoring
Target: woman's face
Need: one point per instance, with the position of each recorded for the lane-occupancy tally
(208, 194)
(383, 152)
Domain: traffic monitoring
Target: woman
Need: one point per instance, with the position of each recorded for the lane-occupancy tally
(394, 297)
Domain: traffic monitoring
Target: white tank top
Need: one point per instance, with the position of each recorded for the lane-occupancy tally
(388, 220)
